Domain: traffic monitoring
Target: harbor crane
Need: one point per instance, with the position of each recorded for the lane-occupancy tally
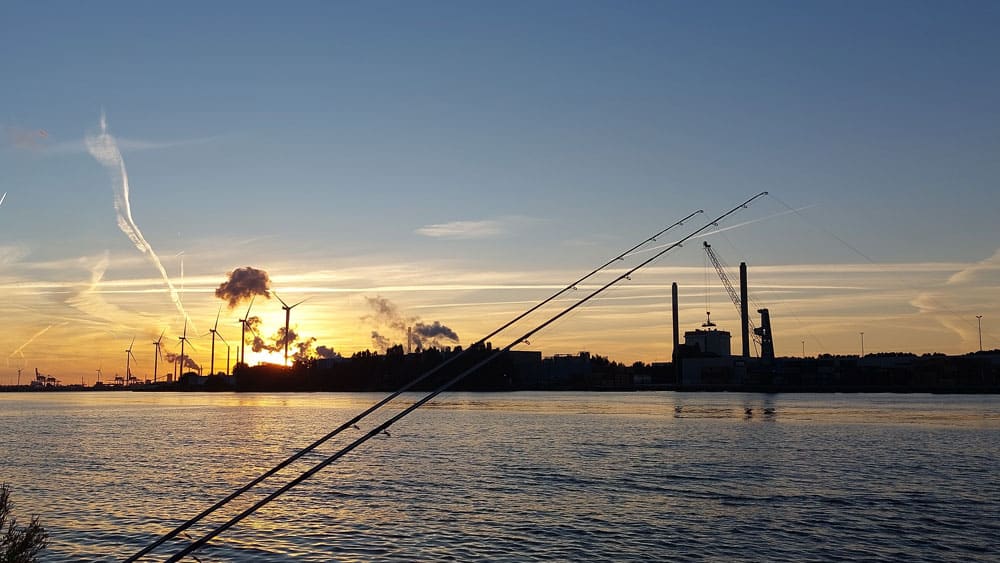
(762, 334)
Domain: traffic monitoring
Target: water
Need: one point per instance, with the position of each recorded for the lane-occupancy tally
(518, 476)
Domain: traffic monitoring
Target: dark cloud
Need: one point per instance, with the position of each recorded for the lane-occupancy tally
(326, 353)
(434, 330)
(244, 283)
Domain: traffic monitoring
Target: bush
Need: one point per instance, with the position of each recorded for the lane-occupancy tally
(18, 544)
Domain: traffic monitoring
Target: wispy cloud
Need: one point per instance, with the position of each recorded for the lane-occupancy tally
(463, 230)
(482, 229)
(43, 142)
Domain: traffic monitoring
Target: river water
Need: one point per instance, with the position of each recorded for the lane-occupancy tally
(516, 476)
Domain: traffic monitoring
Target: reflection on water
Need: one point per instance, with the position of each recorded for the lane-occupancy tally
(518, 476)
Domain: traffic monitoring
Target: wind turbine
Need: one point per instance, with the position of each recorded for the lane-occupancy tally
(288, 313)
(214, 331)
(129, 356)
(183, 338)
(158, 354)
(243, 334)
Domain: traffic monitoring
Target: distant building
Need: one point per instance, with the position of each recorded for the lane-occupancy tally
(709, 342)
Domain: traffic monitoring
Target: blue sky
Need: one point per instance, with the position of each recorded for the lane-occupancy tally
(326, 142)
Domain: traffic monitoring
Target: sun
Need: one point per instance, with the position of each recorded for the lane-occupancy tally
(265, 357)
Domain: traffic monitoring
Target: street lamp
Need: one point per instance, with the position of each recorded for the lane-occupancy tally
(979, 318)
(862, 344)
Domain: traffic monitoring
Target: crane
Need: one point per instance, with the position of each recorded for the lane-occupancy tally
(762, 334)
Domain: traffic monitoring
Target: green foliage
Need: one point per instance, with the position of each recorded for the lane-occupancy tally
(18, 544)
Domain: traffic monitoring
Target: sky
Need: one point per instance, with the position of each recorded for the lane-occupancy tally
(457, 162)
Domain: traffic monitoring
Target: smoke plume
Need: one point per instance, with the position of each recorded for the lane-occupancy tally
(300, 348)
(433, 331)
(188, 362)
(104, 149)
(417, 334)
(244, 283)
(380, 342)
(326, 353)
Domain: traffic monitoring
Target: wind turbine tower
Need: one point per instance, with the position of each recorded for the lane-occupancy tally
(288, 313)
(129, 356)
(243, 333)
(183, 338)
(214, 331)
(158, 354)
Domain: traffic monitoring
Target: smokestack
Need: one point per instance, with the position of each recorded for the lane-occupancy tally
(409, 340)
(744, 311)
(677, 335)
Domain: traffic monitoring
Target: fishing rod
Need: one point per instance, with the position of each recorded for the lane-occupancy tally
(440, 389)
(350, 423)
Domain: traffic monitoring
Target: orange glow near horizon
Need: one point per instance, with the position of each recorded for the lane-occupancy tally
(266, 357)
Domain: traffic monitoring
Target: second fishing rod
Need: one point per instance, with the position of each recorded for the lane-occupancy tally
(378, 405)
(388, 423)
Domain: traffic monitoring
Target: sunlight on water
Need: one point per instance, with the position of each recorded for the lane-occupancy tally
(517, 476)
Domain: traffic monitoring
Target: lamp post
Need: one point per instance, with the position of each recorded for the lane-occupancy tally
(979, 319)
(862, 344)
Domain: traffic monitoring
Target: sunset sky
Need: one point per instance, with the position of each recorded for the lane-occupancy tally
(464, 160)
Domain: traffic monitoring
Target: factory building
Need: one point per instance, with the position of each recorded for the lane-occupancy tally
(706, 357)
(709, 342)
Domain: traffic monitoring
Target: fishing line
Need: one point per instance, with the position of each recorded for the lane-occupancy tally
(902, 282)
(351, 423)
(385, 425)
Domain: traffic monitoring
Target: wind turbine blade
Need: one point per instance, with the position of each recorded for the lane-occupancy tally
(300, 302)
(249, 307)
(161, 336)
(130, 345)
(217, 317)
(283, 304)
(222, 339)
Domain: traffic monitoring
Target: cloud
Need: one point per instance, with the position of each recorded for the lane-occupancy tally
(463, 230)
(987, 269)
(244, 283)
(75, 146)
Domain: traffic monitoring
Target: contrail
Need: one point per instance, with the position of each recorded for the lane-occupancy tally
(32, 339)
(105, 150)
(729, 228)
(3, 197)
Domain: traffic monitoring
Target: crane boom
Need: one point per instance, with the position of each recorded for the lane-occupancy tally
(723, 276)
(721, 270)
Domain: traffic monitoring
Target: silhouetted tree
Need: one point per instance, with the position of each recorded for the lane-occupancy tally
(18, 544)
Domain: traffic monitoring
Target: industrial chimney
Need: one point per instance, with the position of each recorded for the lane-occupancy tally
(744, 311)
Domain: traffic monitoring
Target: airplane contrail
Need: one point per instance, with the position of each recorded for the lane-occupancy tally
(104, 149)
(3, 197)
(724, 229)
(32, 339)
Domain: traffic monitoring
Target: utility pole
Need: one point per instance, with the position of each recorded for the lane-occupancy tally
(979, 318)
